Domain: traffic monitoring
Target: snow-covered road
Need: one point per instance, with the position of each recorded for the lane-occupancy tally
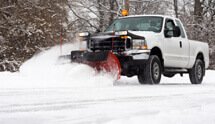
(44, 92)
(174, 103)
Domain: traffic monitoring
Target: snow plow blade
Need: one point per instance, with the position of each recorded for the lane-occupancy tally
(101, 61)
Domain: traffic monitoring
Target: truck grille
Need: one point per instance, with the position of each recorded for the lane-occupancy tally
(115, 44)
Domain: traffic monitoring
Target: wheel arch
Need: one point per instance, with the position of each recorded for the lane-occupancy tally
(200, 56)
(157, 51)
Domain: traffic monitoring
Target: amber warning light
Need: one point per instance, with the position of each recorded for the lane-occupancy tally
(124, 12)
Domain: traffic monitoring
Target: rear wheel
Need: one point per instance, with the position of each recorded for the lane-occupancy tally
(152, 71)
(197, 72)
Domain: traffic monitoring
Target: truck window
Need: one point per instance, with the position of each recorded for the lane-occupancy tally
(180, 26)
(169, 25)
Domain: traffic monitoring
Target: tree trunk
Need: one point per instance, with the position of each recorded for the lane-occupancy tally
(198, 10)
(176, 8)
(111, 3)
(101, 14)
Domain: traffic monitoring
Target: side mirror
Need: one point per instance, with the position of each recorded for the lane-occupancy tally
(176, 32)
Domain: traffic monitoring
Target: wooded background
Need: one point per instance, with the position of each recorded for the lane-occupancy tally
(31, 26)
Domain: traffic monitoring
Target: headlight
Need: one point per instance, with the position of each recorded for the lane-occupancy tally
(121, 33)
(139, 44)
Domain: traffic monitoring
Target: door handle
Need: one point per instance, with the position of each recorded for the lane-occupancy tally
(180, 44)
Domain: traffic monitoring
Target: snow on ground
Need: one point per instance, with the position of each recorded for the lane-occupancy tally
(47, 91)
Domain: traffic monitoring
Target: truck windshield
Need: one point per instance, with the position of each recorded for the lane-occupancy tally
(145, 23)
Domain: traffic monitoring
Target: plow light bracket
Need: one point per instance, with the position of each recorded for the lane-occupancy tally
(84, 34)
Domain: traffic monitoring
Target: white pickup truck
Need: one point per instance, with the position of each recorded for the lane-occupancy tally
(149, 46)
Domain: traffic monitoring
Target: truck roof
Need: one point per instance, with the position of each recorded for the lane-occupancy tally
(164, 16)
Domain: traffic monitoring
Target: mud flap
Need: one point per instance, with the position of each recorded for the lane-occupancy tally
(101, 61)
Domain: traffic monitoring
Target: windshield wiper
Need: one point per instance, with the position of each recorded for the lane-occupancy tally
(134, 30)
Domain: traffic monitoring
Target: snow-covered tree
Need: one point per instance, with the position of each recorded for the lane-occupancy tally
(27, 26)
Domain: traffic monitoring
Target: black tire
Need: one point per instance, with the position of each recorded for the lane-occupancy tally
(152, 71)
(197, 72)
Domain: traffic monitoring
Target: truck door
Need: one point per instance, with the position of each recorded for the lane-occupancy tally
(184, 46)
(173, 47)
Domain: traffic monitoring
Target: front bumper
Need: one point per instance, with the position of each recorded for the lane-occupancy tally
(138, 54)
(132, 68)
(133, 63)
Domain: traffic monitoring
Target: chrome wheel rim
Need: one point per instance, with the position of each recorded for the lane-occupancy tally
(156, 71)
(199, 71)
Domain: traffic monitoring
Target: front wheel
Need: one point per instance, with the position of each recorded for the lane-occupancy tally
(197, 72)
(152, 71)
